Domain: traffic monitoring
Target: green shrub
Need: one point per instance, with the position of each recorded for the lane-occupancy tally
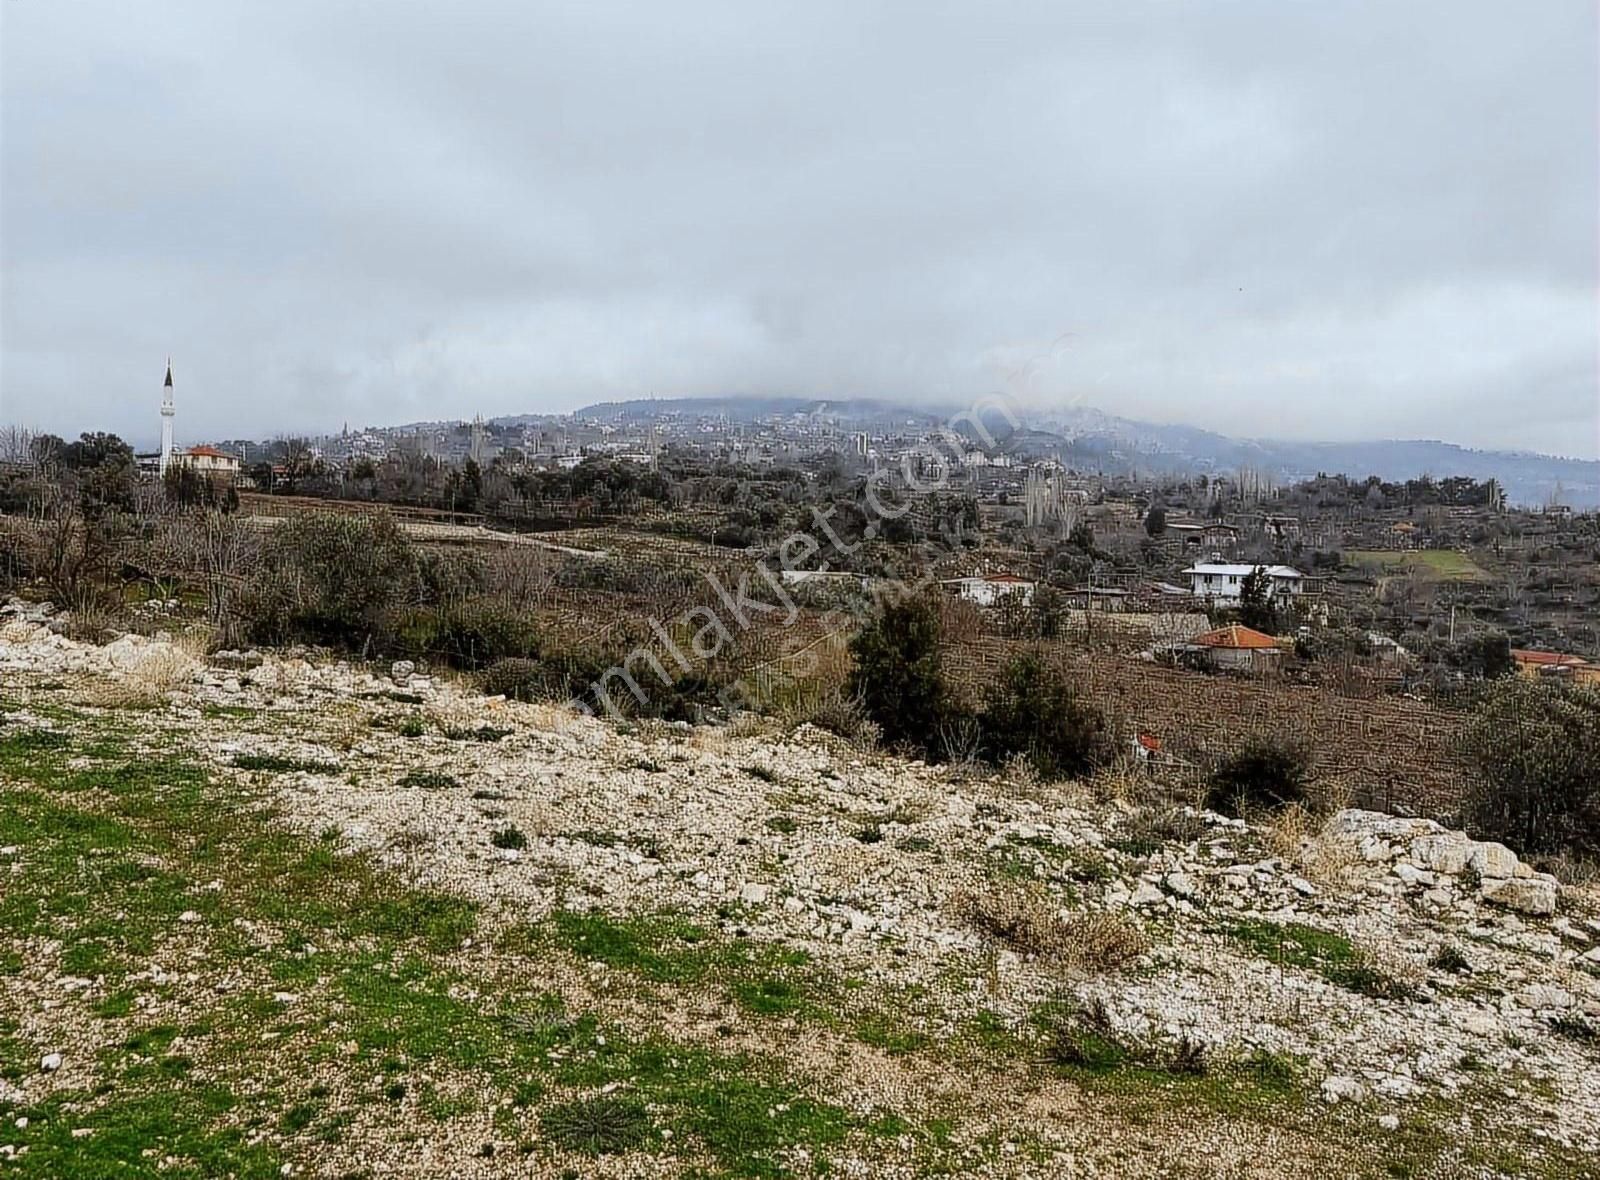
(898, 674)
(509, 837)
(1032, 711)
(1265, 775)
(331, 579)
(1536, 748)
(605, 1124)
(1485, 657)
(478, 632)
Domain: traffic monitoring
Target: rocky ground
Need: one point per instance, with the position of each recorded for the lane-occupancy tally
(341, 923)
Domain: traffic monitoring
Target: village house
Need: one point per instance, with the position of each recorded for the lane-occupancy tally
(1223, 582)
(1538, 665)
(991, 589)
(208, 461)
(1236, 648)
(1198, 534)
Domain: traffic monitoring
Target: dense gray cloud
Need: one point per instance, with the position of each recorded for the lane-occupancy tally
(1332, 220)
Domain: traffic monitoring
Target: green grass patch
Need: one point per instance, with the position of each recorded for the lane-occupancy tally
(1329, 955)
(1443, 564)
(362, 949)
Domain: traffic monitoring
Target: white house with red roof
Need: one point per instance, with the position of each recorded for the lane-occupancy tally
(207, 461)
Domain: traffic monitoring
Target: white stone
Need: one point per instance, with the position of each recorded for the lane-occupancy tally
(1545, 997)
(1389, 1122)
(1181, 883)
(1411, 875)
(1490, 859)
(1446, 852)
(1146, 894)
(1534, 895)
(50, 1062)
(1337, 1088)
(753, 893)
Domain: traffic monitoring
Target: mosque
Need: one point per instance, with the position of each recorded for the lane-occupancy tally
(202, 459)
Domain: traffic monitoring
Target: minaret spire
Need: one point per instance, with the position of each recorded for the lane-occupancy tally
(167, 411)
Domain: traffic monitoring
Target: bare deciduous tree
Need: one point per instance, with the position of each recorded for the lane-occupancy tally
(224, 550)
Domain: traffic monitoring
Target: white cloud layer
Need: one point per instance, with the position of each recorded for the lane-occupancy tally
(1342, 219)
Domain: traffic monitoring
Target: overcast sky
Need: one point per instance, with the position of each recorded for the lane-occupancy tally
(1308, 220)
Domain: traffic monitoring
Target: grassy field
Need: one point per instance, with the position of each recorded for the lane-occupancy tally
(1443, 564)
(233, 999)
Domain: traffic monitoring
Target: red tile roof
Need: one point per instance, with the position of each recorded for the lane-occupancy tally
(1547, 659)
(1236, 635)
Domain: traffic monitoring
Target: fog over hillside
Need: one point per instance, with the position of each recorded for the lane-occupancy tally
(1092, 440)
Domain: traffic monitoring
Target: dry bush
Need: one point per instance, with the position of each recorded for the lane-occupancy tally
(1025, 922)
(520, 575)
(720, 739)
(1104, 941)
(1120, 781)
(846, 717)
(348, 728)
(145, 675)
(414, 837)
(93, 618)
(961, 744)
(20, 633)
(1329, 795)
(1573, 872)
(1021, 776)
(457, 715)
(1028, 924)
(1288, 832)
(549, 716)
(1329, 863)
(1151, 827)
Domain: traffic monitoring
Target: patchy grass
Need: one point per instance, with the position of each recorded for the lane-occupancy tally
(281, 764)
(601, 839)
(116, 846)
(1442, 564)
(763, 979)
(429, 780)
(1329, 955)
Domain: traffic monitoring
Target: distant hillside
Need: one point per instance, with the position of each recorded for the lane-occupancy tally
(741, 408)
(1092, 440)
(1090, 437)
